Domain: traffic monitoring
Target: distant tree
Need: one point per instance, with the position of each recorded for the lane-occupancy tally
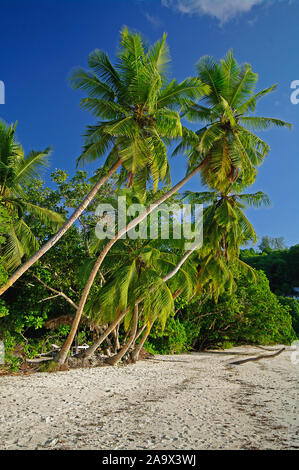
(269, 244)
(280, 266)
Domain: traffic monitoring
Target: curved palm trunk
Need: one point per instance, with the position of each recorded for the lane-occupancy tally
(115, 334)
(115, 359)
(179, 265)
(51, 242)
(140, 331)
(64, 351)
(136, 351)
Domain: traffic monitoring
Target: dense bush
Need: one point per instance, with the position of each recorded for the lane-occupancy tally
(250, 315)
(293, 305)
(173, 339)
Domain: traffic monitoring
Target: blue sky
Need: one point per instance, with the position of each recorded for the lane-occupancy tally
(41, 42)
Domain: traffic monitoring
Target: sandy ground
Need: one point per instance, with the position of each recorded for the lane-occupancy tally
(195, 401)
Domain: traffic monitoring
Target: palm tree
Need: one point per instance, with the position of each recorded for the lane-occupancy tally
(139, 289)
(138, 109)
(16, 171)
(64, 351)
(224, 150)
(226, 229)
(226, 226)
(234, 150)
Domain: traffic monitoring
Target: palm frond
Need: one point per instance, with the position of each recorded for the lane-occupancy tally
(48, 217)
(255, 200)
(32, 166)
(261, 123)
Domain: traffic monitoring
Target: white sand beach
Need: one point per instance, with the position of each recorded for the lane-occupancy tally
(190, 401)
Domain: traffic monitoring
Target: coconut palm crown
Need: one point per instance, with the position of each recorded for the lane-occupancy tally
(137, 108)
(17, 170)
(234, 150)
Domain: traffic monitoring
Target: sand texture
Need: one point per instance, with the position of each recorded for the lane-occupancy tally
(190, 401)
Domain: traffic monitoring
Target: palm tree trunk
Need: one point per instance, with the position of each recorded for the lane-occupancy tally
(109, 347)
(54, 239)
(115, 359)
(65, 349)
(179, 265)
(136, 352)
(115, 334)
(92, 349)
(140, 331)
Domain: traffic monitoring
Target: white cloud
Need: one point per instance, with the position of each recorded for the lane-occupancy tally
(153, 20)
(223, 10)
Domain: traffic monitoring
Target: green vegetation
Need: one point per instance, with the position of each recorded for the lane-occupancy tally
(280, 265)
(252, 314)
(68, 288)
(4, 224)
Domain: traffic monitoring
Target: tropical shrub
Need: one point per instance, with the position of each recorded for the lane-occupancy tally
(250, 315)
(172, 339)
(293, 306)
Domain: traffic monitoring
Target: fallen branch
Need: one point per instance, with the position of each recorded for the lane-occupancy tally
(257, 358)
(37, 360)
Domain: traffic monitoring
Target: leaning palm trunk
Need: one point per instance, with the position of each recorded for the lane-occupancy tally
(115, 334)
(65, 349)
(53, 240)
(118, 357)
(92, 349)
(139, 332)
(136, 351)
